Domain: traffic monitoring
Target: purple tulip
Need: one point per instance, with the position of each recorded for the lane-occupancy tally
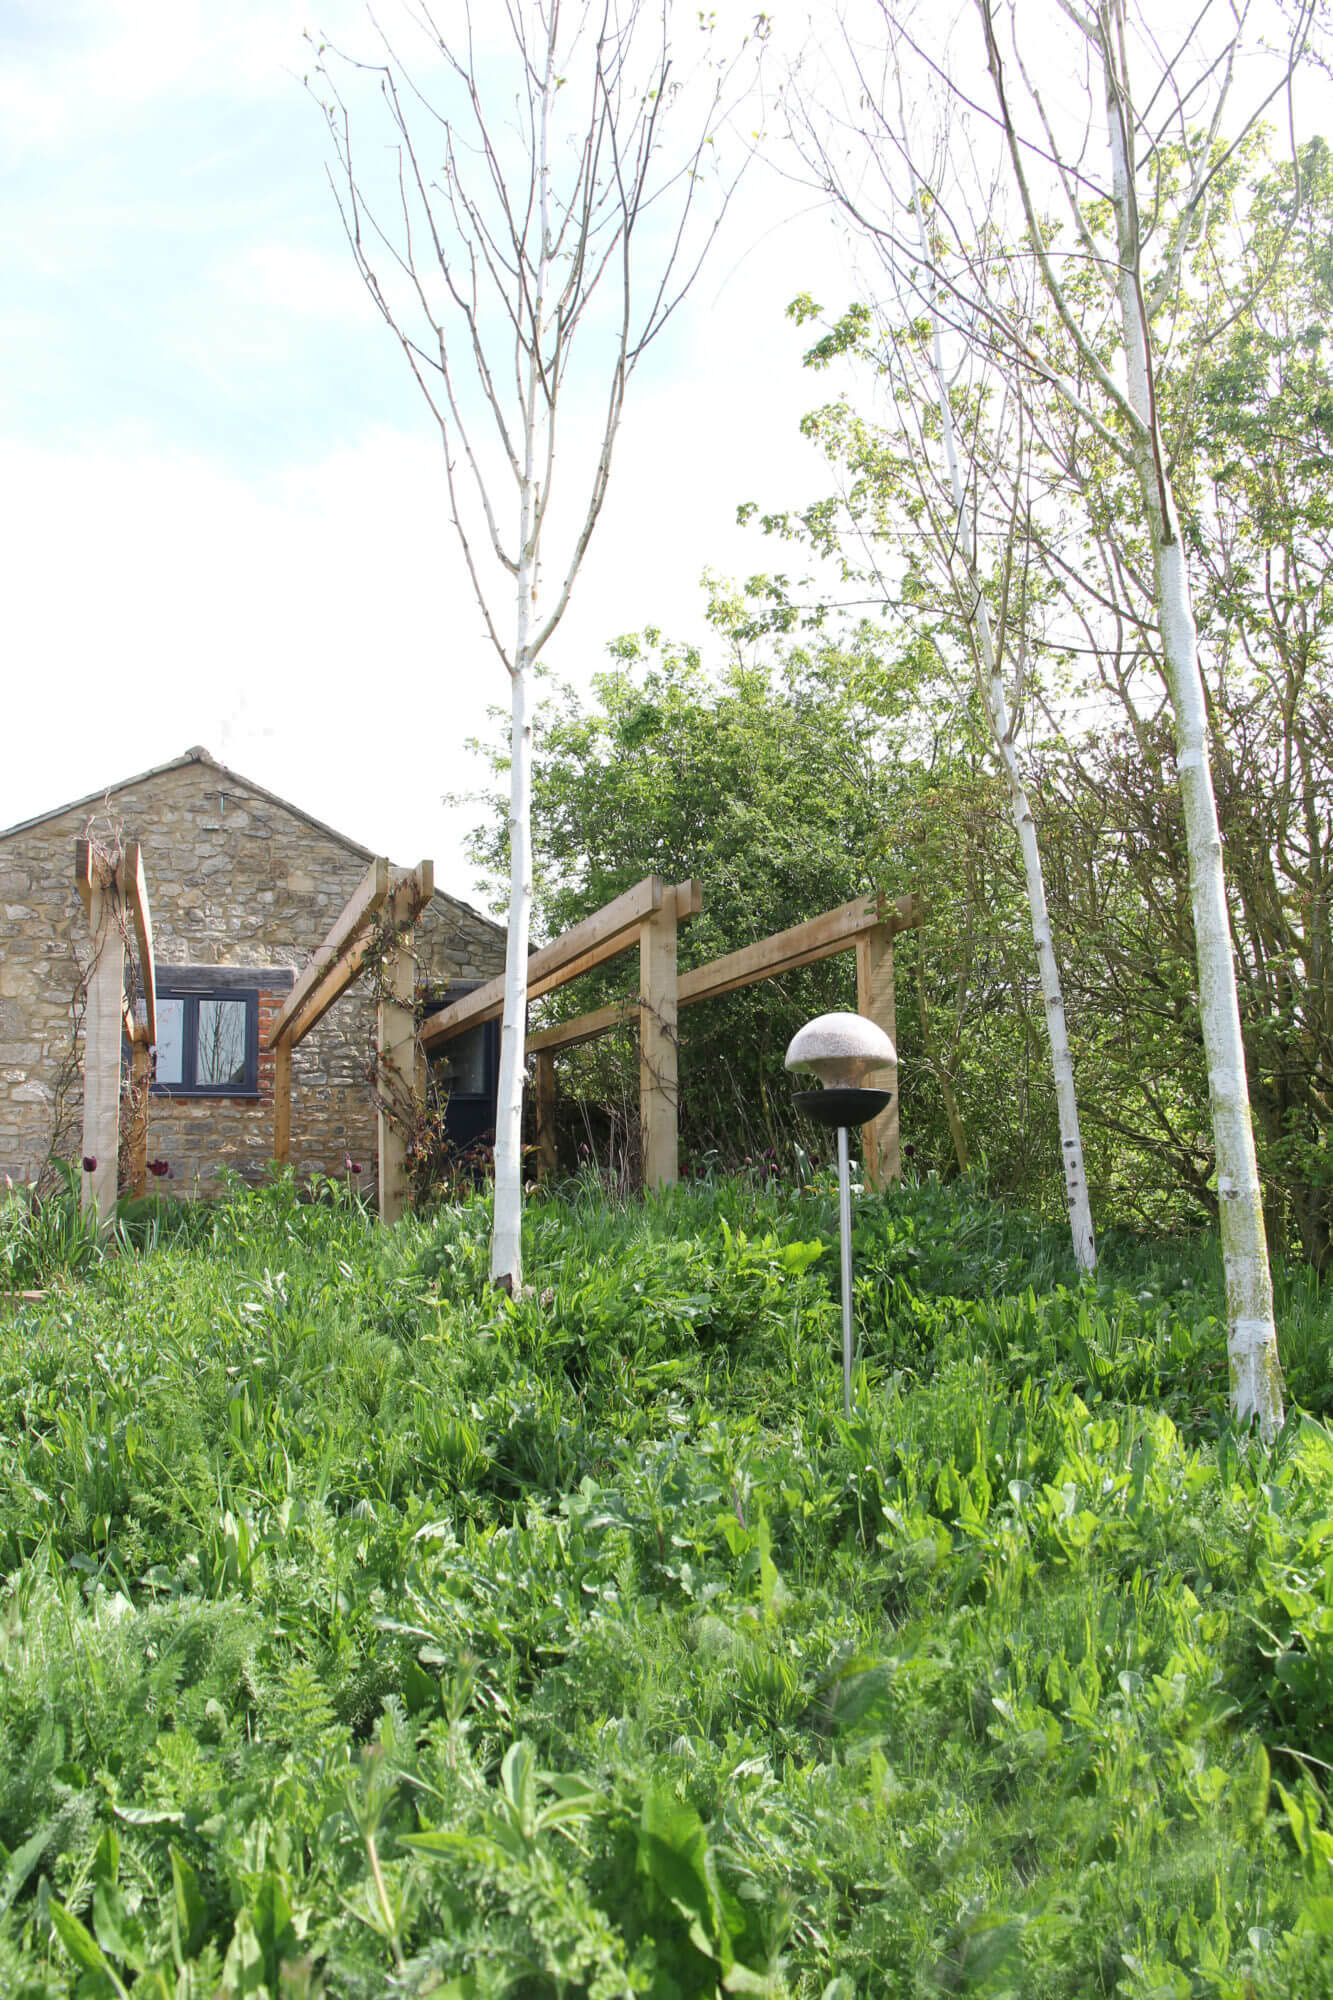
(89, 1164)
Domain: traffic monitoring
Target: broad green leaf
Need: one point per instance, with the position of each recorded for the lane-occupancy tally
(117, 1931)
(673, 1853)
(518, 1775)
(189, 1912)
(83, 1947)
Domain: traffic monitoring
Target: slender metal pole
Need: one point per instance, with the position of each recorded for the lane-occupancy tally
(845, 1230)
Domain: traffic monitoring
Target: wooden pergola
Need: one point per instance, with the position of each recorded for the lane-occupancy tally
(380, 916)
(115, 896)
(383, 902)
(648, 916)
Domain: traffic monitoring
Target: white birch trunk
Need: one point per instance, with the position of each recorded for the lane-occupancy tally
(1256, 1375)
(1020, 807)
(507, 1226)
(507, 1233)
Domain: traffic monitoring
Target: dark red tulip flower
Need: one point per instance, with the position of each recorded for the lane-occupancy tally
(89, 1164)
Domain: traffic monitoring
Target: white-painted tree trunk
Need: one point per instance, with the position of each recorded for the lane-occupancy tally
(1256, 1375)
(514, 241)
(507, 1233)
(507, 1229)
(1020, 807)
(507, 1226)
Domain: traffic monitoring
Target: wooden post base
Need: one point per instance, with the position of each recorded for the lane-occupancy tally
(874, 999)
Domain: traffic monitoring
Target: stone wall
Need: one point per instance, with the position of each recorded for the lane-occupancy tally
(234, 878)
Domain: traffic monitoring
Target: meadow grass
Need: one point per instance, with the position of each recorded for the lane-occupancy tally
(365, 1632)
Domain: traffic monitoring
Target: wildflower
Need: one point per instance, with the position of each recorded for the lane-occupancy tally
(89, 1163)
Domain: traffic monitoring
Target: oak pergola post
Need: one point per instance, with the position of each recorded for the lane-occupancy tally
(400, 1059)
(103, 1025)
(545, 1094)
(114, 897)
(880, 1146)
(141, 1066)
(282, 1103)
(659, 1041)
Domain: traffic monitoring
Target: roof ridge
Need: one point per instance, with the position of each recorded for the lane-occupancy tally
(197, 754)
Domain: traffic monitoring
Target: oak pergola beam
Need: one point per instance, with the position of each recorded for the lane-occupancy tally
(605, 934)
(83, 874)
(332, 977)
(332, 969)
(134, 892)
(787, 951)
(584, 1027)
(331, 957)
(687, 898)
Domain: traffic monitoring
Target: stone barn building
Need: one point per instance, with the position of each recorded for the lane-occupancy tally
(243, 887)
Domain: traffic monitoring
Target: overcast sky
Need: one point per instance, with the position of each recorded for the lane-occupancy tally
(223, 506)
(221, 497)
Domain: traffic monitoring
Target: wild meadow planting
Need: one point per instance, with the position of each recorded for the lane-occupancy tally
(366, 1632)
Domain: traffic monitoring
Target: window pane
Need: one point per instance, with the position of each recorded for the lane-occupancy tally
(220, 1057)
(464, 1064)
(170, 1040)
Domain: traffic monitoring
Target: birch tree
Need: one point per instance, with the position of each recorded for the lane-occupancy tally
(1111, 254)
(533, 218)
(945, 507)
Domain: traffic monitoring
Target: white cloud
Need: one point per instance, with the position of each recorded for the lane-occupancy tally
(311, 631)
(292, 279)
(95, 63)
(308, 619)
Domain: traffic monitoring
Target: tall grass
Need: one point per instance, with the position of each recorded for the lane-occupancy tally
(366, 1632)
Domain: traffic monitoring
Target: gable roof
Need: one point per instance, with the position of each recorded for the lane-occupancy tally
(198, 755)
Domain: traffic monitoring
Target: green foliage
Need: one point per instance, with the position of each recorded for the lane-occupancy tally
(44, 1235)
(799, 778)
(366, 1631)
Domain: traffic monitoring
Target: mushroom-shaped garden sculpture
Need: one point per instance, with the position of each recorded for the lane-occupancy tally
(842, 1049)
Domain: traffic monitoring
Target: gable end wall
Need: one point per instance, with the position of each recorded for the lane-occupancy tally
(233, 879)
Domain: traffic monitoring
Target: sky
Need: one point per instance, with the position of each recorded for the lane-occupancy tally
(221, 496)
(222, 504)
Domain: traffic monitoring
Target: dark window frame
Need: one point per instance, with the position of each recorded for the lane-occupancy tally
(190, 995)
(458, 989)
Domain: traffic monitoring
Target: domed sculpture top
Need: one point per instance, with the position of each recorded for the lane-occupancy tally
(840, 1048)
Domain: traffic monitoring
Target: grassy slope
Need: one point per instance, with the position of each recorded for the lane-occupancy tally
(365, 1633)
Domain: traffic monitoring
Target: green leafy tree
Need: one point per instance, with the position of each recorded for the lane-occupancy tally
(795, 778)
(1251, 433)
